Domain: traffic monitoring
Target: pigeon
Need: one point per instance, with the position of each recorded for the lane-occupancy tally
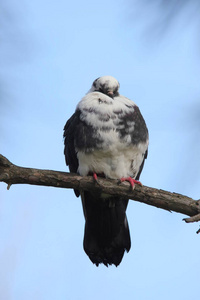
(106, 137)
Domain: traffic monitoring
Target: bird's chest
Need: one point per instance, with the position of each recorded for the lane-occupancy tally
(105, 140)
(114, 162)
(104, 127)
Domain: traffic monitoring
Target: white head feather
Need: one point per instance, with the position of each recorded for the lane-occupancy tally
(107, 85)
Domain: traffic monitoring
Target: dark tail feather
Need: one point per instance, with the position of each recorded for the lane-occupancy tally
(106, 229)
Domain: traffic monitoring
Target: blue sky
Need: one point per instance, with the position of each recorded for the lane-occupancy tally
(51, 52)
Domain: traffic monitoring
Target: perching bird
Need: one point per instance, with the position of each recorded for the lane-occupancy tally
(106, 136)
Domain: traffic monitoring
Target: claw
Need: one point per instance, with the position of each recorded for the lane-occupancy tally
(131, 181)
(95, 177)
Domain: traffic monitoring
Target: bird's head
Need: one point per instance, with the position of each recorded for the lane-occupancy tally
(107, 85)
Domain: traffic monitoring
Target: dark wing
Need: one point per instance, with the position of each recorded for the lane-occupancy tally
(141, 132)
(69, 150)
(142, 165)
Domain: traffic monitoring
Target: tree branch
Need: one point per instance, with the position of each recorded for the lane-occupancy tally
(12, 174)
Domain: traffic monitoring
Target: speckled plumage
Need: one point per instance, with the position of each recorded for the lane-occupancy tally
(106, 135)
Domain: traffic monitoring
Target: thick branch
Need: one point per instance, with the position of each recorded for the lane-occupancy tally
(12, 174)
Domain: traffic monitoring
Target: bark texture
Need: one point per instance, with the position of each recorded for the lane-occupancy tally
(12, 174)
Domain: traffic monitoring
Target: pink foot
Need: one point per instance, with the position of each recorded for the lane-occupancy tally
(131, 181)
(95, 177)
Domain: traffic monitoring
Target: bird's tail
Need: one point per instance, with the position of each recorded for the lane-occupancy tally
(106, 229)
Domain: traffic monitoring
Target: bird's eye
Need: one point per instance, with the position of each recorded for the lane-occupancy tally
(115, 91)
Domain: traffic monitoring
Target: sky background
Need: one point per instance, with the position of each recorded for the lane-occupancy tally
(50, 53)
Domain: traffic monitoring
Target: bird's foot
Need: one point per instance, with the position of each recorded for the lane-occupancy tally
(131, 181)
(95, 177)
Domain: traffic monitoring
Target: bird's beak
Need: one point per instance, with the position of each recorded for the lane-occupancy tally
(110, 94)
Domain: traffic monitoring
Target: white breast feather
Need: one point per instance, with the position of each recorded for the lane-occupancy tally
(118, 157)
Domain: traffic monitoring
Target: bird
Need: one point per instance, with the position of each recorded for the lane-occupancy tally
(106, 137)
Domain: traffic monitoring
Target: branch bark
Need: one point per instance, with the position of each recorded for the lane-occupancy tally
(12, 174)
